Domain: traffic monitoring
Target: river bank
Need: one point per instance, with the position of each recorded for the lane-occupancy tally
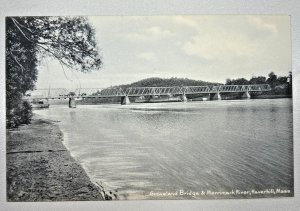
(40, 168)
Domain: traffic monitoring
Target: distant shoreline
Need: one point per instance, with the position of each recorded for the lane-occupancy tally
(272, 96)
(40, 168)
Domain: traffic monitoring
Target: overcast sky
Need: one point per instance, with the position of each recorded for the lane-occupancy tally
(210, 48)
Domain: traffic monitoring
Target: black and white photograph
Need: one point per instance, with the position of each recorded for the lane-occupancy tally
(162, 107)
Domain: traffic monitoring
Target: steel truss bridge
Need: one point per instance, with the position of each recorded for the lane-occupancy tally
(63, 93)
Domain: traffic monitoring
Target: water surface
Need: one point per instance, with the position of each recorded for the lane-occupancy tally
(194, 146)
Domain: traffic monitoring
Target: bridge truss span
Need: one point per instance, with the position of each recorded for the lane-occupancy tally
(241, 88)
(63, 93)
(176, 90)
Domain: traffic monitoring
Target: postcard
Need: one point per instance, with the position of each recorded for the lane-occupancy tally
(177, 107)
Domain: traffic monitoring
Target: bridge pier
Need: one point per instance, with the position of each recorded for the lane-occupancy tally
(246, 95)
(72, 102)
(217, 96)
(125, 100)
(183, 98)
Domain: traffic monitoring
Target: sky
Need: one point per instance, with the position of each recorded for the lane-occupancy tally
(204, 47)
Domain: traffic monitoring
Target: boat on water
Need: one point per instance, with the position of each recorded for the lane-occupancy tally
(40, 104)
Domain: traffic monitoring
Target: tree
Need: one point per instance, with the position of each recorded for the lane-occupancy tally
(272, 80)
(282, 79)
(258, 80)
(70, 40)
(290, 86)
(272, 76)
(239, 81)
(228, 81)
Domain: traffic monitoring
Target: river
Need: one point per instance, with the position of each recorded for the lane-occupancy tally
(142, 151)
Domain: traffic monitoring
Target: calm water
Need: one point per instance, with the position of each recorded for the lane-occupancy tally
(194, 146)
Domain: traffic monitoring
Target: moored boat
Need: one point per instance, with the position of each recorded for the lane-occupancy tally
(41, 103)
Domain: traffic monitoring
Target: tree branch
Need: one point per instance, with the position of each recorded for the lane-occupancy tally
(14, 21)
(64, 71)
(21, 66)
(53, 54)
(22, 26)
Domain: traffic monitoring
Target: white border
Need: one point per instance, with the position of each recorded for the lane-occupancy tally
(155, 7)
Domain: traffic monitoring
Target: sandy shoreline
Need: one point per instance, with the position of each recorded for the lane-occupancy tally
(40, 168)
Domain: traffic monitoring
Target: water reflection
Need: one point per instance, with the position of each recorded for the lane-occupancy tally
(72, 115)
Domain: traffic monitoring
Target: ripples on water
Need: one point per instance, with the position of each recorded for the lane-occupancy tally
(194, 146)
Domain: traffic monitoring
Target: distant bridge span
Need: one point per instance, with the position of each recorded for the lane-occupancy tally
(63, 93)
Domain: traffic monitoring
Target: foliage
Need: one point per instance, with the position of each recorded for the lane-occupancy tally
(272, 80)
(25, 113)
(290, 87)
(20, 114)
(281, 85)
(258, 80)
(239, 81)
(160, 82)
(70, 40)
(72, 94)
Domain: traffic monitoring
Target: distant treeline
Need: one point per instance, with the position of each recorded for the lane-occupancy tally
(162, 82)
(281, 85)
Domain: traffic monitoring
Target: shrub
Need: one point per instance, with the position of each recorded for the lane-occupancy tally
(26, 113)
(20, 114)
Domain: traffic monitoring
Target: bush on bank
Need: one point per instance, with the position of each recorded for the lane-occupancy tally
(20, 114)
